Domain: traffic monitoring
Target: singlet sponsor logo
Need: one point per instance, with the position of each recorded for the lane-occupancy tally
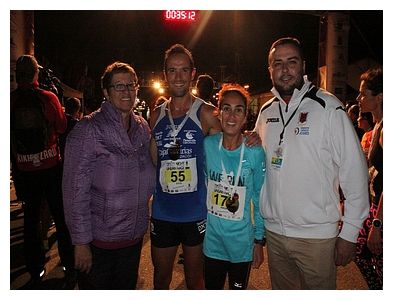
(184, 153)
(189, 140)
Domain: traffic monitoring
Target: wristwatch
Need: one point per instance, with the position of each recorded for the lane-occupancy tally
(377, 223)
(260, 242)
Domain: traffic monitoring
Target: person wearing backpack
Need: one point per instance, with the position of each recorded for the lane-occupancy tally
(37, 120)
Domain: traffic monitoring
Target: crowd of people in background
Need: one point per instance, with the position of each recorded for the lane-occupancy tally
(369, 256)
(216, 189)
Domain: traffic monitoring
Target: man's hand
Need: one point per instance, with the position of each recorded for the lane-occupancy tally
(345, 252)
(83, 258)
(252, 138)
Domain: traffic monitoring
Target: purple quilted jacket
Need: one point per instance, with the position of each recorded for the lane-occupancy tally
(108, 178)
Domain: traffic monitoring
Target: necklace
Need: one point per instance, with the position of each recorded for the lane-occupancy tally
(232, 203)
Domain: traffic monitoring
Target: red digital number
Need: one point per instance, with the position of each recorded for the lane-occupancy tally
(180, 15)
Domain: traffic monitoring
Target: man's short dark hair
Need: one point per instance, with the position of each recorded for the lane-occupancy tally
(178, 49)
(72, 105)
(285, 41)
(26, 67)
(205, 86)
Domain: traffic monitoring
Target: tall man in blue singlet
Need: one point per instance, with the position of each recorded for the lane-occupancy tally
(179, 210)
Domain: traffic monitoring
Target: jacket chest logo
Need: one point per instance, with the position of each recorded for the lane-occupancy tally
(272, 120)
(303, 118)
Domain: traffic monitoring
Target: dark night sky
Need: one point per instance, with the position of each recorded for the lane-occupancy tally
(239, 40)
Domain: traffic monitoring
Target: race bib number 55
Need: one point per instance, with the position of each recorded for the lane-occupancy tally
(179, 176)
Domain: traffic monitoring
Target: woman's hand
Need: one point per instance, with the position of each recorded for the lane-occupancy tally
(258, 256)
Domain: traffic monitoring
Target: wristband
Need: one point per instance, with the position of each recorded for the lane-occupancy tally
(260, 242)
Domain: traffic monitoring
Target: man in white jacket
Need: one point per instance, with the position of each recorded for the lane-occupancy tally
(311, 149)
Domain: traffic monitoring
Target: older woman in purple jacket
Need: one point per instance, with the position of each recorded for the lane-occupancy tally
(107, 181)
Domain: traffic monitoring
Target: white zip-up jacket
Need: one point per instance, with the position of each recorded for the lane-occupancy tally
(319, 151)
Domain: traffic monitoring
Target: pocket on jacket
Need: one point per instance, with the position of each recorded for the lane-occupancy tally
(119, 204)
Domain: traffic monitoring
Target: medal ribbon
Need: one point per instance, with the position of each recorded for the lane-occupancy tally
(225, 174)
(174, 130)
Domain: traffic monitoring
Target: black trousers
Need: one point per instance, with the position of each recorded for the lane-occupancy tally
(115, 269)
(32, 188)
(216, 272)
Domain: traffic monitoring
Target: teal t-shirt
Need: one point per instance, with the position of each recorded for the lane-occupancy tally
(225, 238)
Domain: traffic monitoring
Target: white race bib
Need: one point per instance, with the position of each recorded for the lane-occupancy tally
(218, 193)
(179, 176)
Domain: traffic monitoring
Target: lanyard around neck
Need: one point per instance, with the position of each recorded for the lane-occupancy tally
(285, 124)
(225, 174)
(175, 131)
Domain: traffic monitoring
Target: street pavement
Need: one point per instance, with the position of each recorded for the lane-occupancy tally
(349, 277)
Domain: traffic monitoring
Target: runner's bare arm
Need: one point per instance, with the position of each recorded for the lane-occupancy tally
(153, 150)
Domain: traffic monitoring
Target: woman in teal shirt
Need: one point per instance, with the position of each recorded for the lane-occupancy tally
(234, 175)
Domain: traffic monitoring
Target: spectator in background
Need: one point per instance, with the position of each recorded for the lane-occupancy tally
(205, 88)
(86, 85)
(369, 256)
(311, 148)
(353, 113)
(36, 161)
(107, 182)
(366, 123)
(72, 107)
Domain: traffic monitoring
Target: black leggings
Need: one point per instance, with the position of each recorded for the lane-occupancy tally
(32, 188)
(217, 270)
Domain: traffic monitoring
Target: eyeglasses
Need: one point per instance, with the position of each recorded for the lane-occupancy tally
(238, 110)
(121, 87)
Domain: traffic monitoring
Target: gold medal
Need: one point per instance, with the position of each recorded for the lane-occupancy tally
(233, 203)
(174, 151)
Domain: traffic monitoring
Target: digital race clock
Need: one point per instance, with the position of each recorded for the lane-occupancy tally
(180, 15)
